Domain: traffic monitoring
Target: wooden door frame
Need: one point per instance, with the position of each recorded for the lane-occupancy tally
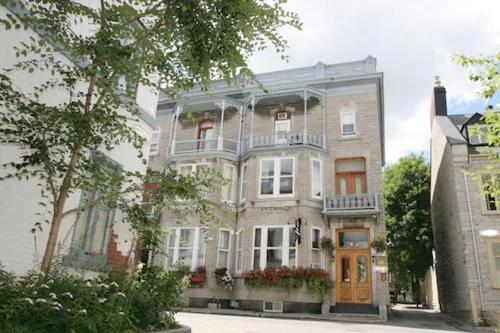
(352, 253)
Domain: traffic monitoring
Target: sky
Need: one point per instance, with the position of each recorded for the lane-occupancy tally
(413, 42)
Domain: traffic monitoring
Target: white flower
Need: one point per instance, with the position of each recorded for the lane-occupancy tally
(50, 281)
(121, 294)
(68, 294)
(29, 300)
(104, 285)
(57, 306)
(121, 313)
(83, 311)
(35, 292)
(88, 284)
(53, 295)
(41, 300)
(102, 300)
(140, 266)
(44, 286)
(114, 284)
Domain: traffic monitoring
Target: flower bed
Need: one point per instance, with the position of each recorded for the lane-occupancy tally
(317, 280)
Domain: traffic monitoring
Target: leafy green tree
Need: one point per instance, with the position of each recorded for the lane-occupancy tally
(408, 216)
(161, 44)
(486, 71)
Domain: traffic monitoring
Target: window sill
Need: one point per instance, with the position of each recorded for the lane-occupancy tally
(490, 212)
(349, 137)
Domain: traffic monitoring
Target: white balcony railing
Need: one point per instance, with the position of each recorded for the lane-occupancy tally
(288, 139)
(204, 145)
(351, 204)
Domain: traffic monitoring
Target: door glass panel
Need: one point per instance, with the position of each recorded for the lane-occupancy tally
(359, 185)
(353, 239)
(343, 186)
(362, 273)
(346, 270)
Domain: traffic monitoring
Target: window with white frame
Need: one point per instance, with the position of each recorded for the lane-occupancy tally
(493, 249)
(239, 252)
(224, 248)
(228, 189)
(316, 260)
(478, 134)
(276, 177)
(155, 142)
(348, 122)
(191, 170)
(186, 247)
(274, 246)
(244, 181)
(492, 202)
(316, 179)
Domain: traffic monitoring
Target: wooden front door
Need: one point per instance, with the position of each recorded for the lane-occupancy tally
(353, 267)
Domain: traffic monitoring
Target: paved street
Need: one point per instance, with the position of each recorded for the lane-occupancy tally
(405, 319)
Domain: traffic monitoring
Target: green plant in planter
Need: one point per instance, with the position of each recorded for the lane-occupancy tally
(223, 278)
(327, 244)
(379, 244)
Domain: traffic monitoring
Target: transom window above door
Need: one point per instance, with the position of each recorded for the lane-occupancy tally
(353, 239)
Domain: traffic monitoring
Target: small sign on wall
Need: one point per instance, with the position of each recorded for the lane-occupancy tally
(381, 269)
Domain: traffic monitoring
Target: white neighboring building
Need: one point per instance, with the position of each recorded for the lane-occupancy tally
(20, 249)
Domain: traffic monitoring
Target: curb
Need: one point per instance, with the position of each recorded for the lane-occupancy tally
(351, 318)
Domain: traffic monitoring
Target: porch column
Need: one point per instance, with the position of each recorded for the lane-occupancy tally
(305, 116)
(220, 139)
(324, 120)
(178, 111)
(240, 130)
(252, 123)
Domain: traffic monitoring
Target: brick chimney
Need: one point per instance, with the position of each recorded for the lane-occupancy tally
(438, 106)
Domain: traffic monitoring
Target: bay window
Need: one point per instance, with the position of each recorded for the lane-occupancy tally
(316, 260)
(186, 247)
(316, 179)
(227, 189)
(274, 246)
(276, 177)
(224, 248)
(244, 181)
(239, 252)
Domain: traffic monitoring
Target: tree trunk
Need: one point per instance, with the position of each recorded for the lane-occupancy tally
(58, 213)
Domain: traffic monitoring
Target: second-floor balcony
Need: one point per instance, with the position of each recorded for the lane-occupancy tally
(282, 140)
(351, 205)
(205, 145)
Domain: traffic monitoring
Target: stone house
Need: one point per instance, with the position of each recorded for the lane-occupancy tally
(304, 159)
(466, 222)
(96, 240)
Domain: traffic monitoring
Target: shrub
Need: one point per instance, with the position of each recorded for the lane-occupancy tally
(61, 302)
(223, 278)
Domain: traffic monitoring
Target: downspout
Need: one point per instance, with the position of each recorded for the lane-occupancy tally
(474, 245)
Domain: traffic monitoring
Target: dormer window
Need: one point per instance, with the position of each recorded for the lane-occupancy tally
(478, 134)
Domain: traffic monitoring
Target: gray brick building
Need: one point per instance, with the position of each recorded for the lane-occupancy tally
(466, 222)
(303, 157)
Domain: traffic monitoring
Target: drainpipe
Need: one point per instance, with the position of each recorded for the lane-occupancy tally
(474, 245)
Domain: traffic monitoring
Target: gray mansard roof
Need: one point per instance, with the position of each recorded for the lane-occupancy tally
(317, 76)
